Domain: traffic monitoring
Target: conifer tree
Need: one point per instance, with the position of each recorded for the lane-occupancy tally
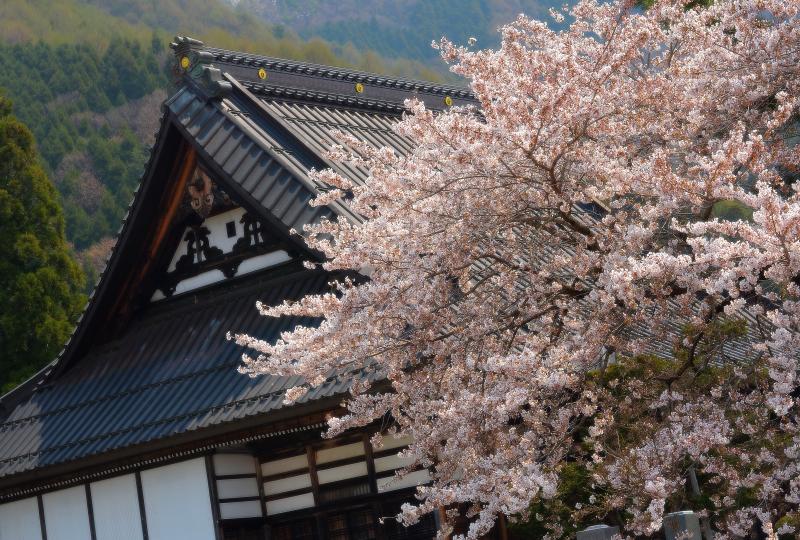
(40, 283)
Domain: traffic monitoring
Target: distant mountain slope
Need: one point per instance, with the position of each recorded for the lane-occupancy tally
(397, 28)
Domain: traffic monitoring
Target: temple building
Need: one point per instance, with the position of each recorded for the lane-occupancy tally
(142, 428)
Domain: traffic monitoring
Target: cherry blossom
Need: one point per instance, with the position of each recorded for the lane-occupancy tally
(550, 277)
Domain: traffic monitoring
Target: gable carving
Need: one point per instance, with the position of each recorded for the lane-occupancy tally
(203, 195)
(220, 247)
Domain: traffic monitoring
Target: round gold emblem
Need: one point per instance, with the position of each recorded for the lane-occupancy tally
(185, 62)
(359, 87)
(262, 73)
(448, 101)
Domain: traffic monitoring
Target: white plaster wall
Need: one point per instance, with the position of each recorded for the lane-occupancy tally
(234, 464)
(217, 233)
(115, 504)
(66, 514)
(19, 520)
(218, 237)
(177, 503)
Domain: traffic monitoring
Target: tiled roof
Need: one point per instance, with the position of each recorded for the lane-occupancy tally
(173, 371)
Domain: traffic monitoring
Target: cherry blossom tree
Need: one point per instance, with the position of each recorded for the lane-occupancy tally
(546, 282)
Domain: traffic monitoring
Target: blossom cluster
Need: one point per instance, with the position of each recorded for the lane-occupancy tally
(550, 276)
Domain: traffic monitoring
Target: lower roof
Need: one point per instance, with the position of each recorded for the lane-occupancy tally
(173, 371)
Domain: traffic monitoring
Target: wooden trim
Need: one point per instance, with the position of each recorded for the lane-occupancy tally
(247, 521)
(291, 493)
(344, 482)
(342, 462)
(373, 482)
(237, 499)
(90, 508)
(42, 524)
(260, 481)
(312, 471)
(142, 512)
(213, 498)
(389, 452)
(442, 520)
(170, 201)
(342, 505)
(235, 476)
(284, 475)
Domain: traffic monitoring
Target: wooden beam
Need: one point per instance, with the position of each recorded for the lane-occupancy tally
(142, 513)
(312, 472)
(502, 527)
(213, 497)
(373, 482)
(41, 517)
(260, 480)
(170, 201)
(90, 508)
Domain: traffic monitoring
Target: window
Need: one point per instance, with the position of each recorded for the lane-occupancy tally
(354, 525)
(392, 530)
(301, 529)
(243, 530)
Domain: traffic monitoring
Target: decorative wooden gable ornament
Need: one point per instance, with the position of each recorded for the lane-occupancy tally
(220, 240)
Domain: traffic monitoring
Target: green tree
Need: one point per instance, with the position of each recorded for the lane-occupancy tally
(40, 283)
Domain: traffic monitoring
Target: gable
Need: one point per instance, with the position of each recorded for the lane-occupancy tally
(217, 239)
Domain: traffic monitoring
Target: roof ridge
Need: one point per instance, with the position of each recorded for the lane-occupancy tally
(333, 72)
(292, 79)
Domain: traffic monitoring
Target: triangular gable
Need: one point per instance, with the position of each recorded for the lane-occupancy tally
(217, 239)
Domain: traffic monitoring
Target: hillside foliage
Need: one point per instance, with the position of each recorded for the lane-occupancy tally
(397, 28)
(40, 283)
(62, 92)
(88, 77)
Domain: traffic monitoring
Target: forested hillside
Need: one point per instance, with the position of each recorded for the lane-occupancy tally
(40, 283)
(88, 77)
(397, 28)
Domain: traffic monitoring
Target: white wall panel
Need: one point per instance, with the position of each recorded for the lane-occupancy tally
(389, 463)
(241, 509)
(353, 470)
(239, 487)
(200, 280)
(410, 480)
(288, 504)
(340, 452)
(262, 261)
(225, 464)
(66, 514)
(217, 233)
(284, 465)
(287, 484)
(177, 502)
(19, 520)
(115, 504)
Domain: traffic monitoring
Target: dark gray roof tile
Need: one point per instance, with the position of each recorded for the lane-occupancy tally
(174, 371)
